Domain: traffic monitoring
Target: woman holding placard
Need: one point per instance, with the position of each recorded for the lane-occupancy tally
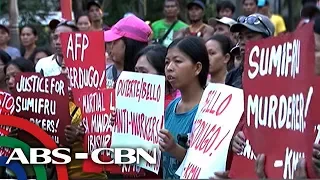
(15, 67)
(124, 40)
(186, 68)
(11, 69)
(151, 60)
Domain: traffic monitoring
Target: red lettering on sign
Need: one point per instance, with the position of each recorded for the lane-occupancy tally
(139, 89)
(211, 105)
(191, 172)
(139, 124)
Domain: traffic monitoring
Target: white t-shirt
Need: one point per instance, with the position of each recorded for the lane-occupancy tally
(49, 66)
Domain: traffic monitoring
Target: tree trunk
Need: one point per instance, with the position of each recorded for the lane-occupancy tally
(183, 10)
(106, 4)
(141, 8)
(14, 24)
(77, 6)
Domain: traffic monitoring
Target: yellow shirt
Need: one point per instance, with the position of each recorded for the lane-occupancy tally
(75, 166)
(278, 23)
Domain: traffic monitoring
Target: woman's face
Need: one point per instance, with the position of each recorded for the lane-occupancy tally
(12, 71)
(217, 60)
(144, 66)
(84, 23)
(39, 56)
(116, 50)
(27, 37)
(180, 70)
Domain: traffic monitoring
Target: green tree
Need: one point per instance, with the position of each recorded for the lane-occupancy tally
(31, 12)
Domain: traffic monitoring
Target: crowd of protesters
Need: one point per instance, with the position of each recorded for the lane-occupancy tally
(190, 55)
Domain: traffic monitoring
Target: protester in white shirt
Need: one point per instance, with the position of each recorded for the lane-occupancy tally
(53, 65)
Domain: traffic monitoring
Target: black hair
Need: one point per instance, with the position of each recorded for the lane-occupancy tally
(195, 48)
(82, 14)
(21, 63)
(176, 1)
(303, 2)
(225, 5)
(156, 55)
(37, 50)
(132, 49)
(226, 45)
(33, 29)
(4, 57)
(256, 1)
(316, 26)
(69, 24)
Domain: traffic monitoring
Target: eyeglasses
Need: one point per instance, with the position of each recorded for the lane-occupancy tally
(253, 20)
(70, 24)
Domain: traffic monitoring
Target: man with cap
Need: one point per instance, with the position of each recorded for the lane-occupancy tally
(222, 26)
(197, 27)
(4, 41)
(96, 15)
(250, 28)
(277, 20)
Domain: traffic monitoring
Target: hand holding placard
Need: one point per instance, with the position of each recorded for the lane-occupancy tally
(218, 114)
(282, 68)
(139, 113)
(37, 99)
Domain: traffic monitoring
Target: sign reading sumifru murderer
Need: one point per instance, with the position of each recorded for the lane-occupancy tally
(140, 113)
(278, 87)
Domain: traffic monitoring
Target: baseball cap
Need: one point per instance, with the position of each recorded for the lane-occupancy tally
(93, 3)
(130, 27)
(5, 28)
(197, 3)
(224, 20)
(254, 22)
(310, 8)
(262, 3)
(53, 24)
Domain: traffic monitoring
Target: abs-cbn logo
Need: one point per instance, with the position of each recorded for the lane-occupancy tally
(119, 156)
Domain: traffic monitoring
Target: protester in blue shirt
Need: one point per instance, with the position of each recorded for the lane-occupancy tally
(186, 68)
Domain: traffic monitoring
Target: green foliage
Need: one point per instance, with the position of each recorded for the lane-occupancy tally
(27, 11)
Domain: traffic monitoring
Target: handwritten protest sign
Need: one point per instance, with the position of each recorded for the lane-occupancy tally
(6, 108)
(96, 111)
(6, 103)
(44, 101)
(278, 92)
(140, 113)
(219, 112)
(84, 55)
